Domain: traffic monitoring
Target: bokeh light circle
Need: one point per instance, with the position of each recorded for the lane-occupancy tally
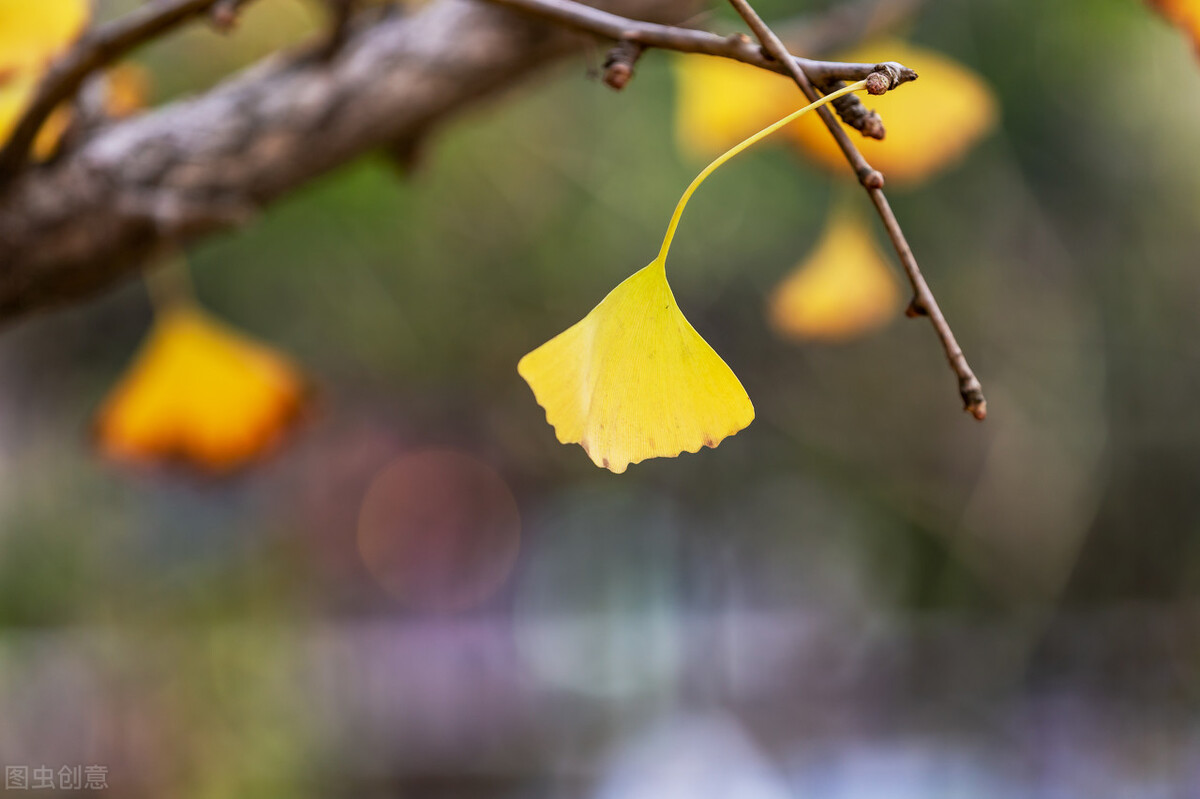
(439, 530)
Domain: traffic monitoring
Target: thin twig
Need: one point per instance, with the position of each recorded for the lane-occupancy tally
(923, 302)
(685, 40)
(192, 167)
(738, 47)
(96, 49)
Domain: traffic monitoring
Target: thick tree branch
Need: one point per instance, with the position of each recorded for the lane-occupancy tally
(196, 166)
(158, 181)
(923, 302)
(98, 48)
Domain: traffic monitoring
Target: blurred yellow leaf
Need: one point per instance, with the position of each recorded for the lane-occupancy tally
(931, 123)
(843, 289)
(1183, 13)
(126, 88)
(201, 392)
(634, 380)
(33, 32)
(720, 101)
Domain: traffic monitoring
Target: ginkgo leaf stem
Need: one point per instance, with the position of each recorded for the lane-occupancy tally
(734, 150)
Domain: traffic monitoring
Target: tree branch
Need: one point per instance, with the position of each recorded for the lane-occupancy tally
(684, 40)
(155, 182)
(97, 48)
(827, 29)
(158, 181)
(136, 187)
(923, 302)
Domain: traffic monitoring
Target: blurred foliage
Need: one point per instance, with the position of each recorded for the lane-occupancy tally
(865, 579)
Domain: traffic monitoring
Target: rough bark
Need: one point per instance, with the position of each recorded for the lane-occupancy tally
(212, 162)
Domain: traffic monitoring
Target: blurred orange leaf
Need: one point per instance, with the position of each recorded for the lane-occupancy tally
(843, 289)
(201, 392)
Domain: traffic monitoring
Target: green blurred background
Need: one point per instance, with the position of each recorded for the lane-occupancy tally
(864, 594)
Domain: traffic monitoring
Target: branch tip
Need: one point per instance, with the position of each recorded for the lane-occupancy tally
(878, 83)
(618, 66)
(895, 73)
(974, 402)
(852, 111)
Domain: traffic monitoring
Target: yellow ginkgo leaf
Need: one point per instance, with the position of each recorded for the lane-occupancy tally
(634, 380)
(1185, 14)
(931, 123)
(843, 289)
(33, 32)
(719, 102)
(200, 392)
